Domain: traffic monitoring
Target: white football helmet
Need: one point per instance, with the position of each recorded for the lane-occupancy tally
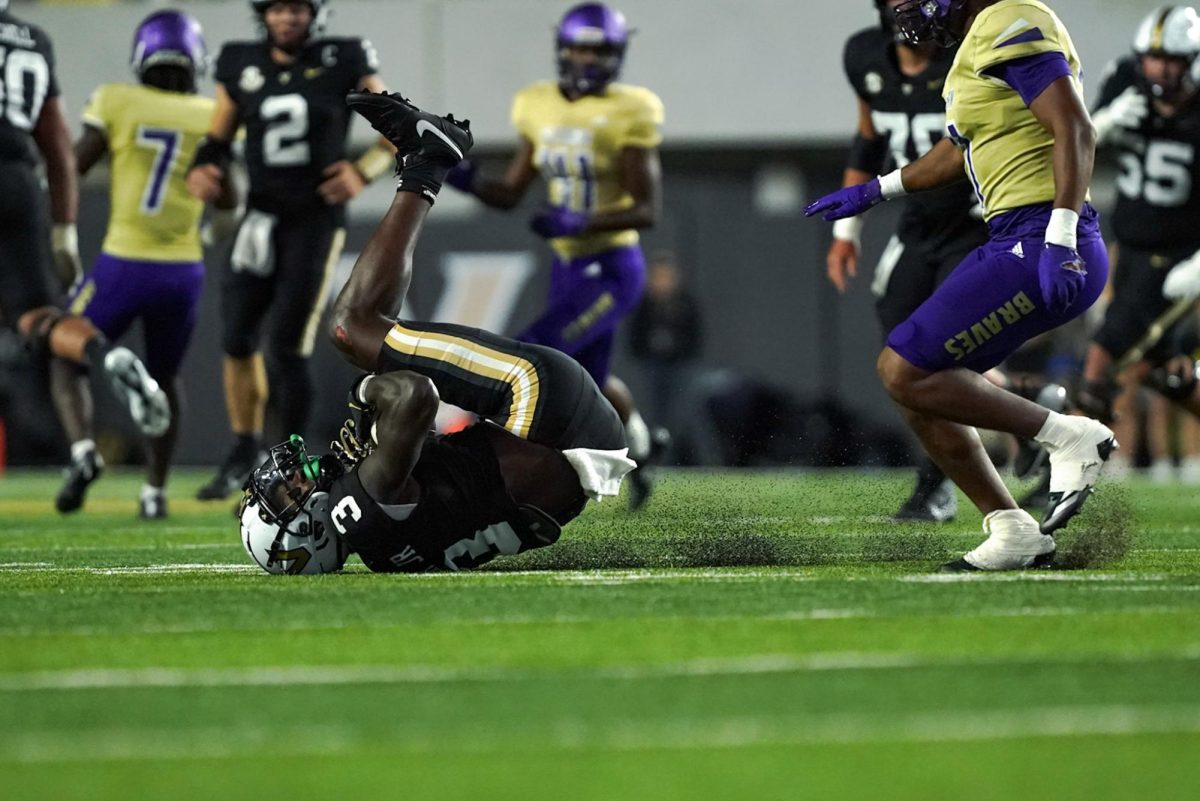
(304, 544)
(1171, 31)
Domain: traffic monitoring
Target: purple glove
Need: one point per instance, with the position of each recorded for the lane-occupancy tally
(1061, 274)
(553, 222)
(462, 176)
(848, 202)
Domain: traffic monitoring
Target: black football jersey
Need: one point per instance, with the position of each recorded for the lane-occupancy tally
(1158, 205)
(27, 81)
(910, 111)
(295, 116)
(464, 517)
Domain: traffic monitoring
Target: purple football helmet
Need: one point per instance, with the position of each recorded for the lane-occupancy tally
(172, 38)
(597, 26)
(922, 21)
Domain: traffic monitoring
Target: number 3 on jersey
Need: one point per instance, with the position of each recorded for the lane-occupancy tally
(285, 144)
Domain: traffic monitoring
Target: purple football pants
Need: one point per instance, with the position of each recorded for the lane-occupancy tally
(588, 297)
(164, 295)
(992, 303)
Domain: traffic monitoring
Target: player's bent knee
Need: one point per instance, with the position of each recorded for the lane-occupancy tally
(893, 373)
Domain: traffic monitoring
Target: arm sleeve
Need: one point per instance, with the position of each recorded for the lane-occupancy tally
(645, 122)
(1030, 75)
(52, 89)
(96, 113)
(1011, 33)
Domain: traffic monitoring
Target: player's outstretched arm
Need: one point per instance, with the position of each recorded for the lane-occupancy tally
(366, 307)
(499, 193)
(54, 141)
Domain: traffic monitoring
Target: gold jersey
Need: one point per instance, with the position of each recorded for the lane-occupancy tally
(152, 136)
(1009, 155)
(576, 147)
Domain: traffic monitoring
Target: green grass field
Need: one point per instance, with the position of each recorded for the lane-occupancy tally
(749, 636)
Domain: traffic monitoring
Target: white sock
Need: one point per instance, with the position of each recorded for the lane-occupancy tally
(82, 448)
(150, 493)
(638, 435)
(1056, 431)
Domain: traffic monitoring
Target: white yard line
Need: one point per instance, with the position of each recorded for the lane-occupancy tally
(626, 734)
(341, 675)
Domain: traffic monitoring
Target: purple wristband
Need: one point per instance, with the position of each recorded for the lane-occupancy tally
(1029, 76)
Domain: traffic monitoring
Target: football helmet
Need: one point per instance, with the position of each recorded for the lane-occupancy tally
(1172, 31)
(305, 544)
(171, 38)
(597, 26)
(3, 5)
(930, 21)
(887, 20)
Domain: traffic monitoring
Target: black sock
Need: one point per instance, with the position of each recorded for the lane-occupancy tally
(421, 176)
(95, 349)
(248, 445)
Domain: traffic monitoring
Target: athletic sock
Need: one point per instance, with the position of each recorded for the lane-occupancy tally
(149, 493)
(637, 433)
(248, 445)
(81, 448)
(1056, 431)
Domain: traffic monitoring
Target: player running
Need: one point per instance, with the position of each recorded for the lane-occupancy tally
(595, 143)
(150, 265)
(1147, 113)
(33, 122)
(288, 91)
(401, 498)
(1018, 129)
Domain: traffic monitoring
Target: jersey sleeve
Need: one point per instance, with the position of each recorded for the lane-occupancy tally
(1118, 76)
(47, 48)
(228, 66)
(854, 61)
(98, 112)
(644, 121)
(1012, 32)
(519, 114)
(363, 59)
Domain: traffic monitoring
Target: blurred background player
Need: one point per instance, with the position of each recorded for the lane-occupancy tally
(1148, 116)
(33, 121)
(150, 265)
(595, 143)
(901, 115)
(1019, 130)
(289, 91)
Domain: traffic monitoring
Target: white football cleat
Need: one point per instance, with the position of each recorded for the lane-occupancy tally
(1075, 466)
(141, 394)
(1014, 543)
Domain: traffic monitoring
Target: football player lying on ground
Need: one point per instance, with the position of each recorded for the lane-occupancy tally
(400, 497)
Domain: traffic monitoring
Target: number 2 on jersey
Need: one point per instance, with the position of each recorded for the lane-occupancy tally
(165, 144)
(285, 143)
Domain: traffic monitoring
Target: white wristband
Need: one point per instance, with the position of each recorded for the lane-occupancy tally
(1062, 228)
(891, 185)
(64, 238)
(360, 393)
(848, 229)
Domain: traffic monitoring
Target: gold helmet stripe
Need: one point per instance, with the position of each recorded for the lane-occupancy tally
(1156, 38)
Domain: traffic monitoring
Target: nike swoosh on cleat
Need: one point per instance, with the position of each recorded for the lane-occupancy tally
(425, 125)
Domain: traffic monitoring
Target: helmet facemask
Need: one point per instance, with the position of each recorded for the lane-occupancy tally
(282, 484)
(936, 21)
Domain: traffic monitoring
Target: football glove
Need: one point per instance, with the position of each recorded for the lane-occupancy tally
(1125, 112)
(64, 243)
(847, 202)
(553, 222)
(1183, 281)
(1061, 274)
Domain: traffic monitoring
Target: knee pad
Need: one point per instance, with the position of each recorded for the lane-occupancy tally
(1174, 386)
(35, 327)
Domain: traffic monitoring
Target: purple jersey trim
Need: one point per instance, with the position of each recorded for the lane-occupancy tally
(1030, 75)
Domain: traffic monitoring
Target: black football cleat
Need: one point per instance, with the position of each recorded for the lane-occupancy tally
(78, 476)
(152, 507)
(444, 140)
